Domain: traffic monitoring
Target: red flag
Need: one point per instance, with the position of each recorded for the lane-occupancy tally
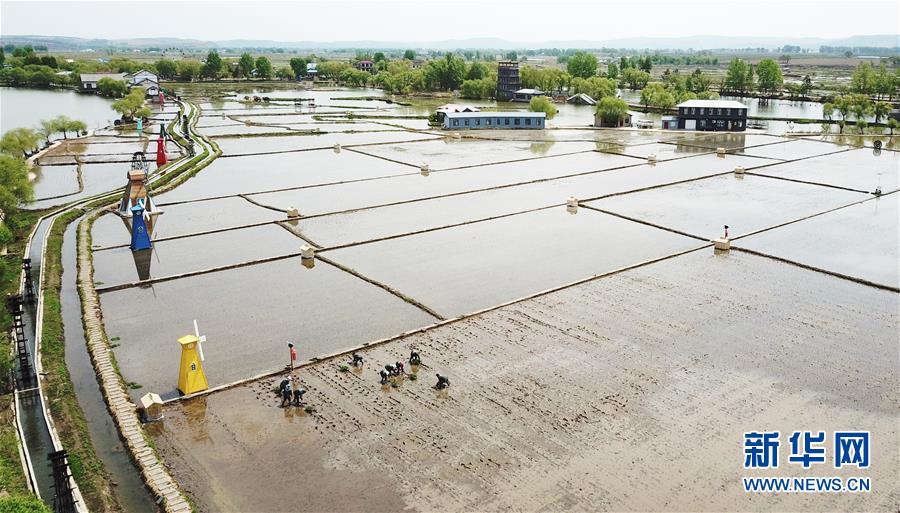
(293, 354)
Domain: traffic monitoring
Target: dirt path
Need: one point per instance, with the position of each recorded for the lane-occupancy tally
(627, 393)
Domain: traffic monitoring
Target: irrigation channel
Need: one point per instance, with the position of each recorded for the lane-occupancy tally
(36, 429)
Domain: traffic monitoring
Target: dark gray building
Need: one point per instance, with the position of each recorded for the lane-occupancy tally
(712, 115)
(507, 80)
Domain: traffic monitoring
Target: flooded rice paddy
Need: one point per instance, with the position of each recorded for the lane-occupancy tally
(632, 355)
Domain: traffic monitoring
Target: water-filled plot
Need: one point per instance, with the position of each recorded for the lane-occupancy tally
(448, 153)
(860, 241)
(97, 178)
(248, 314)
(342, 197)
(792, 150)
(861, 169)
(257, 173)
(729, 141)
(475, 266)
(254, 145)
(52, 181)
(746, 204)
(185, 218)
(171, 257)
(662, 151)
(373, 223)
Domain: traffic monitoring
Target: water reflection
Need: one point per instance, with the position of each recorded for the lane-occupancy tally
(195, 414)
(541, 148)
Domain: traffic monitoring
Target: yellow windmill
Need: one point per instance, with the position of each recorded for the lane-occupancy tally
(191, 378)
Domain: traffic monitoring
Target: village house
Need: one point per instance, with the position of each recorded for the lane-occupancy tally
(312, 70)
(495, 120)
(365, 65)
(525, 95)
(598, 122)
(89, 81)
(712, 115)
(143, 78)
(443, 110)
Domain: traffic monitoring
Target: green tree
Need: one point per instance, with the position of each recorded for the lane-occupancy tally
(893, 124)
(246, 64)
(408, 55)
(132, 105)
(285, 73)
(379, 56)
(635, 78)
(47, 129)
(213, 67)
(298, 65)
(595, 87)
(656, 95)
(645, 64)
(447, 73)
(188, 70)
(582, 64)
(477, 89)
(263, 67)
(612, 71)
(477, 71)
(612, 110)
(697, 82)
(112, 88)
(881, 110)
(737, 77)
(863, 80)
(542, 104)
(15, 187)
(2, 57)
(166, 69)
(20, 142)
(769, 75)
(76, 126)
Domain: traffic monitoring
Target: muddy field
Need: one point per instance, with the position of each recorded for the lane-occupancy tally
(571, 402)
(584, 398)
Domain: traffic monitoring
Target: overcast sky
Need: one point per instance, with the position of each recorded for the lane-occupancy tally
(438, 20)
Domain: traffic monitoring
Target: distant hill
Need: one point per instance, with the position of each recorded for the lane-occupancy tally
(699, 42)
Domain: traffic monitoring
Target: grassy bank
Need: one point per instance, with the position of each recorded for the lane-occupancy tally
(86, 466)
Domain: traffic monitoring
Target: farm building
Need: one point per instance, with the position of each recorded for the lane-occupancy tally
(598, 122)
(443, 110)
(712, 115)
(507, 80)
(495, 120)
(89, 81)
(366, 65)
(145, 79)
(581, 99)
(312, 69)
(525, 95)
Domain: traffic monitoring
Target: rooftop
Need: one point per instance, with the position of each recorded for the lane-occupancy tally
(95, 77)
(513, 114)
(455, 107)
(724, 104)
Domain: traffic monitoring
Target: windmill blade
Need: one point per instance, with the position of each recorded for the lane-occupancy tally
(200, 340)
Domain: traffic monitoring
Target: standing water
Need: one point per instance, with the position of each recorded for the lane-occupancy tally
(25, 108)
(133, 496)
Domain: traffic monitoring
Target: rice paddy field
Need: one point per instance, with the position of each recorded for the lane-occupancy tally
(602, 355)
